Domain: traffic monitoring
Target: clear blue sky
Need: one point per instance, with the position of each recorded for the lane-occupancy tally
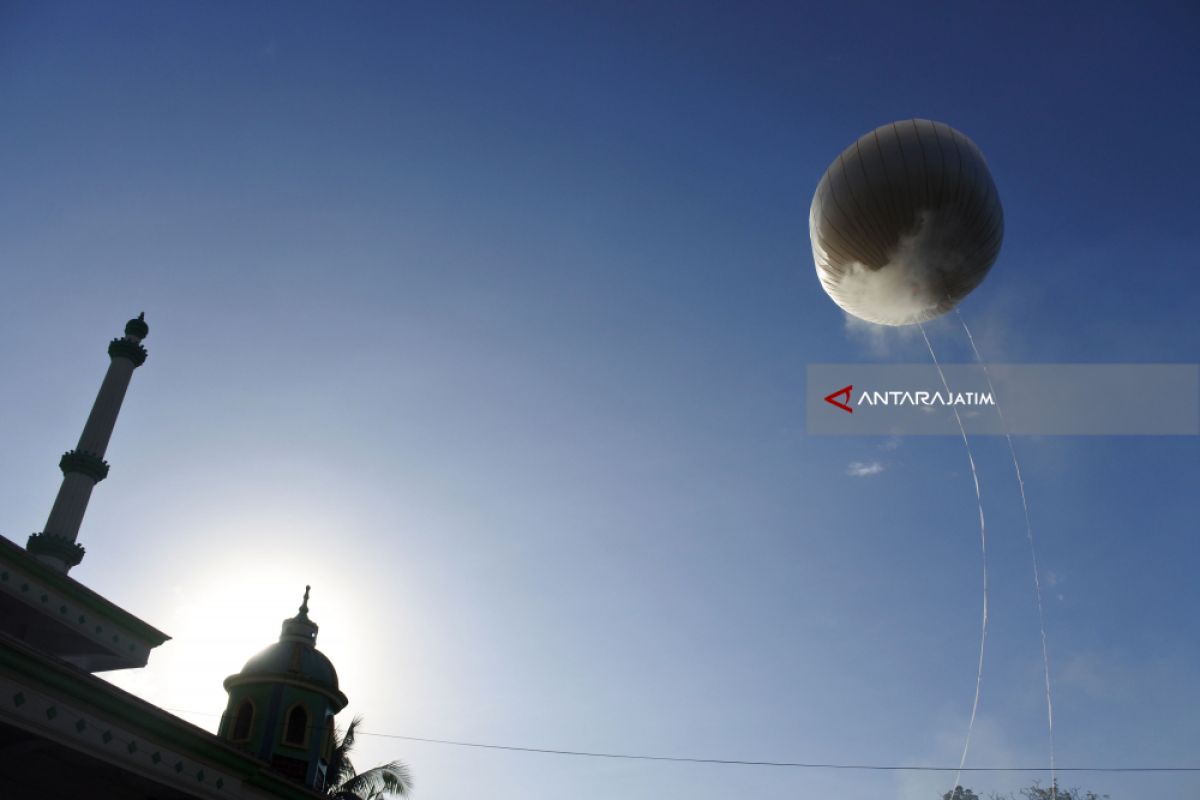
(490, 321)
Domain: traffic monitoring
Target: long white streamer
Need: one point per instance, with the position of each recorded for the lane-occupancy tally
(983, 550)
(1037, 580)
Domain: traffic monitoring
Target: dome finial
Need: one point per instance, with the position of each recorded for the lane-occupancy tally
(300, 628)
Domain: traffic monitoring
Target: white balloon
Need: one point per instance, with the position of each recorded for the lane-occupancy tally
(905, 223)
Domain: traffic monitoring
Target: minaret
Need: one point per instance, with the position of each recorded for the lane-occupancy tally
(85, 466)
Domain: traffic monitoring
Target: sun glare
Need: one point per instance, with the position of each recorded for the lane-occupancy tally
(221, 617)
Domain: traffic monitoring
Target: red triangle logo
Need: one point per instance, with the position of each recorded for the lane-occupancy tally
(843, 392)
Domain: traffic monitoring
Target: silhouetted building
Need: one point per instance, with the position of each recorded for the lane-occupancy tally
(66, 734)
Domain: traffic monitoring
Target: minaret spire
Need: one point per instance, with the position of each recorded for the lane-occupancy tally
(85, 466)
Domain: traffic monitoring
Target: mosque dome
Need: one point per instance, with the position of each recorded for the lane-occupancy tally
(294, 659)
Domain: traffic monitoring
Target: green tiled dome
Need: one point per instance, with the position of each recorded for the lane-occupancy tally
(295, 660)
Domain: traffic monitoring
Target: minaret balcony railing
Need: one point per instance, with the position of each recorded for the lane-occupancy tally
(55, 546)
(123, 348)
(85, 463)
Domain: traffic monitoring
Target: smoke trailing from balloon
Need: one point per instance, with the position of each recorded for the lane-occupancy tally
(918, 281)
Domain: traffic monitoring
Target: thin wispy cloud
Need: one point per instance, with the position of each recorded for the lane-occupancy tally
(880, 341)
(863, 469)
(873, 337)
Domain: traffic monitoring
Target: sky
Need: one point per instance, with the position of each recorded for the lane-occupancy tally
(490, 321)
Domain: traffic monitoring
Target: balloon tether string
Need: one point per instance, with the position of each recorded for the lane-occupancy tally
(983, 551)
(1037, 581)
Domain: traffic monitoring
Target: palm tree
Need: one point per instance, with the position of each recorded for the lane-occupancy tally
(344, 783)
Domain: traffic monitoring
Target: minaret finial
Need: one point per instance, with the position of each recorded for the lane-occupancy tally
(137, 329)
(304, 605)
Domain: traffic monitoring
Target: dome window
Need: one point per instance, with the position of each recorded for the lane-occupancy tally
(295, 732)
(243, 722)
(330, 737)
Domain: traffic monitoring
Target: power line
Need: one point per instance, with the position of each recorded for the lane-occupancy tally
(749, 763)
(739, 762)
